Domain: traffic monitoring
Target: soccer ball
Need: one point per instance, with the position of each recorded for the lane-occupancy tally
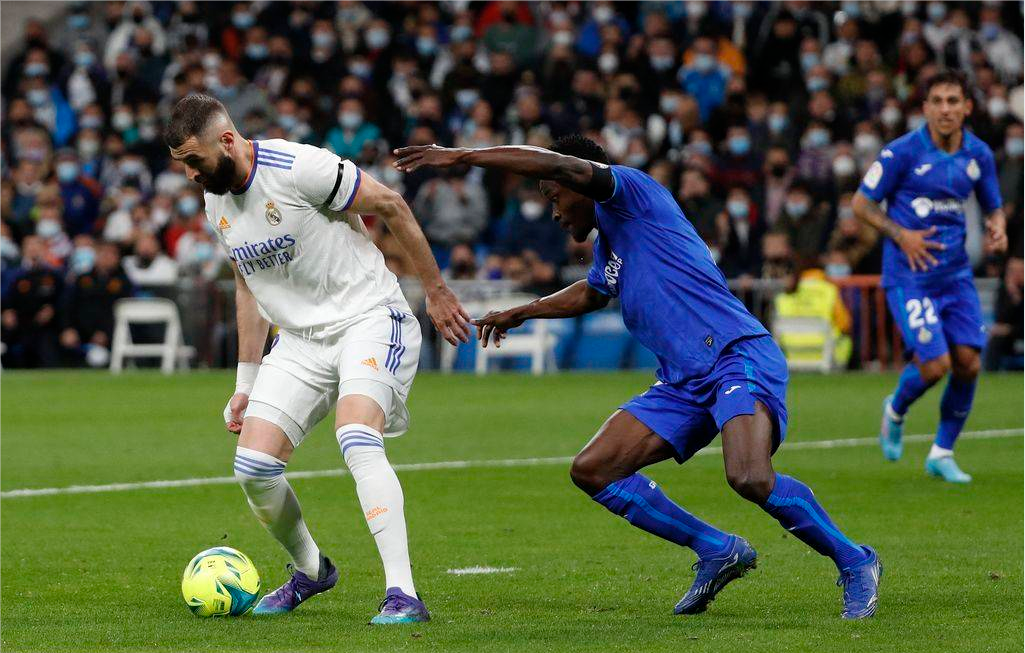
(220, 582)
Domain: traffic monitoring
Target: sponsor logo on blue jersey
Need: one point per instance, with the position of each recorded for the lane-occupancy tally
(612, 269)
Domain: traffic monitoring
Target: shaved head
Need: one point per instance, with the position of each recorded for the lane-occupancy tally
(202, 135)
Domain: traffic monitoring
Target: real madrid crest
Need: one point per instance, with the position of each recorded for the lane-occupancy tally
(973, 170)
(273, 214)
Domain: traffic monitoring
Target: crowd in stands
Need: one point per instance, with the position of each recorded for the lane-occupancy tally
(760, 117)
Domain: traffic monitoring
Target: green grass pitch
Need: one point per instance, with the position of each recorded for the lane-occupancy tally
(101, 572)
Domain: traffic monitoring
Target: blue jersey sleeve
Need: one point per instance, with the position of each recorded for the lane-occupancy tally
(628, 197)
(987, 188)
(884, 174)
(596, 275)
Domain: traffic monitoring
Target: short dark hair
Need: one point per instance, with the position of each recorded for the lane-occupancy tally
(944, 77)
(190, 117)
(581, 147)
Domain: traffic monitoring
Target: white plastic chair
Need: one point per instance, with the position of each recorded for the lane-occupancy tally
(173, 352)
(800, 326)
(537, 343)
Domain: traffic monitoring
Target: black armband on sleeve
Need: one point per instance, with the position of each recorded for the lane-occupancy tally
(602, 184)
(338, 182)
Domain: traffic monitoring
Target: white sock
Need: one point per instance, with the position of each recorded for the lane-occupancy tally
(380, 496)
(940, 452)
(275, 505)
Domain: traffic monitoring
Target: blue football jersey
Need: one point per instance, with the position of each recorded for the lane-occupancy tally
(674, 299)
(923, 187)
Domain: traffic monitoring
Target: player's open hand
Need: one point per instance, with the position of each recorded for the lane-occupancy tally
(495, 324)
(417, 156)
(449, 317)
(996, 233)
(918, 248)
(234, 411)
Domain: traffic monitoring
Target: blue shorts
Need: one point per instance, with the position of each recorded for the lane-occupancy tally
(932, 319)
(690, 414)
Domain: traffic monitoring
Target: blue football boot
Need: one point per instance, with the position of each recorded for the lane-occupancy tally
(715, 573)
(891, 431)
(401, 608)
(298, 588)
(860, 585)
(944, 467)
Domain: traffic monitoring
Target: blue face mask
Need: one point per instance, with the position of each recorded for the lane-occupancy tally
(737, 208)
(67, 171)
(84, 59)
(816, 84)
(426, 46)
(188, 205)
(703, 147)
(809, 60)
(83, 259)
(1015, 147)
(777, 123)
(78, 21)
(256, 51)
(739, 145)
(37, 69)
(704, 63)
(818, 138)
(837, 270)
(466, 98)
(378, 38)
(243, 20)
(461, 33)
(797, 209)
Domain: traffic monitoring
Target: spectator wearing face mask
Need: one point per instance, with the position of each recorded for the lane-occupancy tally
(815, 161)
(197, 254)
(87, 310)
(845, 170)
(29, 316)
(50, 227)
(1005, 347)
(741, 254)
(700, 206)
(462, 263)
(148, 267)
(705, 78)
(739, 164)
(805, 222)
(854, 239)
(779, 174)
(83, 79)
(80, 195)
(815, 295)
(1002, 47)
(451, 210)
(49, 106)
(1012, 171)
(528, 225)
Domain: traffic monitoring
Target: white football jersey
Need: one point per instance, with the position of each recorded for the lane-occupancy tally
(309, 262)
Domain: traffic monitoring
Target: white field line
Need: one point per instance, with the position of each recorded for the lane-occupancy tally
(482, 570)
(462, 464)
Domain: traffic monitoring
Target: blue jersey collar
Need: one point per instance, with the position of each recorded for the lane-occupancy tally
(926, 137)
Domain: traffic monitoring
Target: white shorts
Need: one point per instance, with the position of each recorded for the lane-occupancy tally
(301, 380)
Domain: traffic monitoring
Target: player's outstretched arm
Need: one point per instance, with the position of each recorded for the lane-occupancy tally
(571, 301)
(449, 317)
(915, 244)
(593, 180)
(252, 336)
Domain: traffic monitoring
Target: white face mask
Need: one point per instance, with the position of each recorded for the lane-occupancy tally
(47, 228)
(844, 166)
(890, 116)
(532, 210)
(866, 143)
(608, 63)
(997, 107)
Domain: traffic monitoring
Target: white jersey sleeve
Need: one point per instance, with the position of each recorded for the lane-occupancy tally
(325, 180)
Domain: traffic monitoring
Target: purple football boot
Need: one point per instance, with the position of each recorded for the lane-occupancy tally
(298, 588)
(400, 608)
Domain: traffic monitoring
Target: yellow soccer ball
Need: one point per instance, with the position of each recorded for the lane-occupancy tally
(220, 582)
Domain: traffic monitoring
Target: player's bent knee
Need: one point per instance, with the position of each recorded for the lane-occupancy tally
(590, 474)
(933, 370)
(755, 486)
(257, 470)
(967, 367)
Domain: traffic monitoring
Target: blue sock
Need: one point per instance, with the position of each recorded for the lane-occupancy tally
(909, 388)
(793, 504)
(954, 408)
(641, 502)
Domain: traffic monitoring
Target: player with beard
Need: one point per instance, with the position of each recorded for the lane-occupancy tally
(289, 216)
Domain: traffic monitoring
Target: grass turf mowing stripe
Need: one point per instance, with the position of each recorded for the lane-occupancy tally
(459, 464)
